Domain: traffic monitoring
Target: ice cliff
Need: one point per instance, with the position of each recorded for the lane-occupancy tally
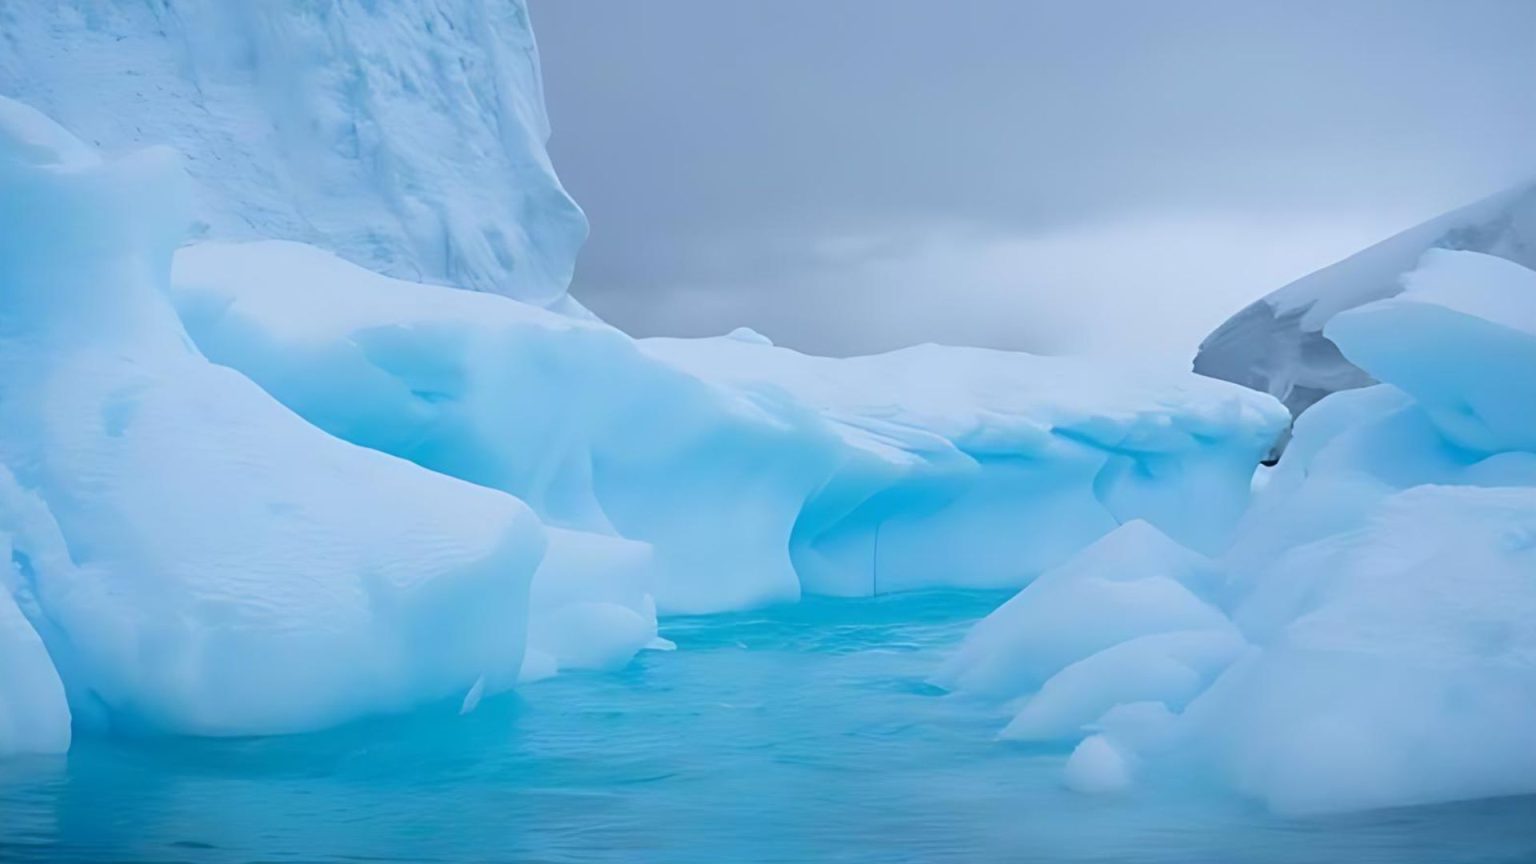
(406, 135)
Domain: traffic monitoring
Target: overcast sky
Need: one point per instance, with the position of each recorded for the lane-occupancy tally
(1103, 177)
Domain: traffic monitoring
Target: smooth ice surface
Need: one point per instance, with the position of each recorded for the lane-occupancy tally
(591, 604)
(407, 136)
(1278, 344)
(1130, 584)
(994, 461)
(568, 415)
(802, 733)
(1097, 767)
(753, 472)
(1408, 672)
(194, 556)
(1461, 339)
(1368, 640)
(34, 716)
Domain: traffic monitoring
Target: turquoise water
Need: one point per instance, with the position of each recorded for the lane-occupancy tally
(805, 734)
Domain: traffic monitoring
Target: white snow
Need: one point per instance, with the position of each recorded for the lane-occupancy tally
(406, 136)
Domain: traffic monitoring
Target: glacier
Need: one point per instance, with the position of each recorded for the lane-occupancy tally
(405, 136)
(1366, 639)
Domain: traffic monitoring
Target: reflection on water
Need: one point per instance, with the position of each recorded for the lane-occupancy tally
(801, 734)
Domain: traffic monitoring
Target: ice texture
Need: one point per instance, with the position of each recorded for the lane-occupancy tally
(1460, 339)
(979, 468)
(753, 472)
(1406, 672)
(1279, 345)
(193, 555)
(34, 715)
(1133, 583)
(1368, 638)
(407, 136)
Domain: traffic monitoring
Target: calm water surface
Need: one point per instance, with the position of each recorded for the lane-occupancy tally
(804, 734)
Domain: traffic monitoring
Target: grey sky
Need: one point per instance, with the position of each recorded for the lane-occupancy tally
(1103, 177)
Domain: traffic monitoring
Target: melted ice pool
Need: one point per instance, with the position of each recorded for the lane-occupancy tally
(800, 734)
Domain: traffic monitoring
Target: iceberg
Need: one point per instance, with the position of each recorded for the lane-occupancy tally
(408, 136)
(1279, 343)
(978, 468)
(194, 556)
(1406, 673)
(259, 488)
(1366, 639)
(752, 472)
(1461, 340)
(566, 414)
(1133, 583)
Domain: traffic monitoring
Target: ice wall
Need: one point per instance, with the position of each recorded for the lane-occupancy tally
(193, 556)
(406, 135)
